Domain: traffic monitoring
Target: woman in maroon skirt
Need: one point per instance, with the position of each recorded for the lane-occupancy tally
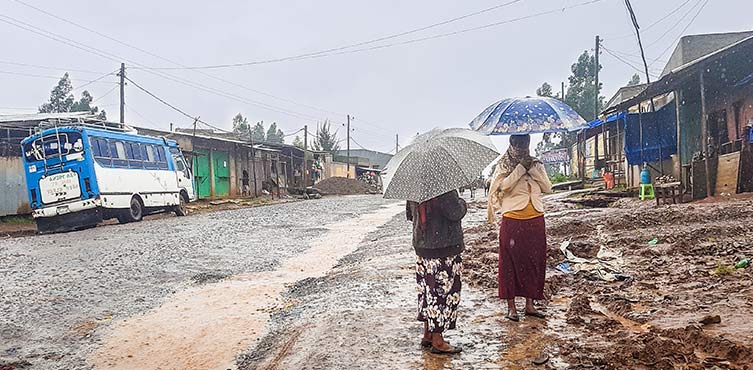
(519, 181)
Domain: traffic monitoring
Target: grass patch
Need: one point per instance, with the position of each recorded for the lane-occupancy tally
(17, 220)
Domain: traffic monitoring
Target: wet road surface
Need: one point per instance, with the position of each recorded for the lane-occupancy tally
(126, 295)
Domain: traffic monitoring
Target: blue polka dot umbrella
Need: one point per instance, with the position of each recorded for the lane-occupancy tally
(437, 162)
(529, 115)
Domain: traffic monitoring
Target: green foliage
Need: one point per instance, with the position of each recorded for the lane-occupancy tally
(325, 139)
(62, 100)
(241, 126)
(635, 80)
(257, 133)
(275, 135)
(560, 177)
(298, 143)
(580, 96)
(544, 90)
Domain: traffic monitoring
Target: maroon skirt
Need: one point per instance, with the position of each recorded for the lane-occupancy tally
(522, 258)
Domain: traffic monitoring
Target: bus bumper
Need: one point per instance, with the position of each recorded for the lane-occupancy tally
(67, 208)
(70, 221)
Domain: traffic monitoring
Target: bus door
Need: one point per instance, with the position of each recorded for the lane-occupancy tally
(185, 178)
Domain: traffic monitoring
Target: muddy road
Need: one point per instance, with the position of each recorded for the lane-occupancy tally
(181, 293)
(330, 284)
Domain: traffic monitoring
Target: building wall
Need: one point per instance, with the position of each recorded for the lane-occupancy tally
(15, 200)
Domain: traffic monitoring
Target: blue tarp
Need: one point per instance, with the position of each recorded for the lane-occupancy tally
(611, 118)
(659, 131)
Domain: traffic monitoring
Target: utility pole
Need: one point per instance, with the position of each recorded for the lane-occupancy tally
(596, 79)
(348, 145)
(397, 143)
(563, 90)
(305, 154)
(122, 92)
(596, 97)
(195, 120)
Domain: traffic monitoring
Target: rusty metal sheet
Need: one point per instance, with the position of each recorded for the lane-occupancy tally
(13, 200)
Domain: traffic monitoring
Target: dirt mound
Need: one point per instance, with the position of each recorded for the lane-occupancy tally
(342, 186)
(651, 320)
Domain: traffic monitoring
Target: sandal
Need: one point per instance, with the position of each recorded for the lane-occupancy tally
(451, 351)
(514, 318)
(536, 314)
(425, 343)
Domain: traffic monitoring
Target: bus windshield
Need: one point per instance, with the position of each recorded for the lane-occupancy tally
(53, 145)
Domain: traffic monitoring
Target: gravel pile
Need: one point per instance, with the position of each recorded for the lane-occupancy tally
(342, 186)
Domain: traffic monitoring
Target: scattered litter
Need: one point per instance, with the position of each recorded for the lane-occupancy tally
(745, 262)
(541, 359)
(711, 319)
(564, 267)
(606, 266)
(653, 241)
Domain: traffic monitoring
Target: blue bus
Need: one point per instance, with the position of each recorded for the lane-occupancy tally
(79, 175)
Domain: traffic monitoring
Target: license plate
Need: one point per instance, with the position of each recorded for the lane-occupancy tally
(59, 187)
(63, 210)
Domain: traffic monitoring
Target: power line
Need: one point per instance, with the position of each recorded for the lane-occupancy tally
(105, 94)
(172, 106)
(637, 69)
(350, 46)
(675, 10)
(50, 77)
(254, 90)
(94, 81)
(49, 68)
(407, 42)
(685, 29)
(110, 56)
(684, 16)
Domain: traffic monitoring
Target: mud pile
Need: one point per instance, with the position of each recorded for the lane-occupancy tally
(655, 318)
(342, 186)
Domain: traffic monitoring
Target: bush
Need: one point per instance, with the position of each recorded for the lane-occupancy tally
(560, 177)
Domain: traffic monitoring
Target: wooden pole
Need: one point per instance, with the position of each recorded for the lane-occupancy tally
(705, 135)
(122, 92)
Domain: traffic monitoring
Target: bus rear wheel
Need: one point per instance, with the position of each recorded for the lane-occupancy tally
(181, 209)
(133, 214)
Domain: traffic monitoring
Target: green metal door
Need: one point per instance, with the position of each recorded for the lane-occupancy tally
(221, 173)
(201, 173)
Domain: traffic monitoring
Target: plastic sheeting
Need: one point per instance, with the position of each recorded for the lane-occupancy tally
(659, 135)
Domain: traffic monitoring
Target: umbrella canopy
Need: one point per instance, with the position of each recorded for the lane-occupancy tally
(437, 162)
(529, 115)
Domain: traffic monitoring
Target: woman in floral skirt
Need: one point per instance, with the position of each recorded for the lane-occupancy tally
(438, 241)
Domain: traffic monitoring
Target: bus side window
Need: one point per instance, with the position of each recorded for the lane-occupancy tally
(101, 152)
(118, 153)
(133, 151)
(161, 160)
(94, 143)
(150, 160)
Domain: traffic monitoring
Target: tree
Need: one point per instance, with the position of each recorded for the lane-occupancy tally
(62, 100)
(298, 143)
(257, 133)
(636, 80)
(580, 96)
(544, 90)
(241, 126)
(325, 139)
(275, 135)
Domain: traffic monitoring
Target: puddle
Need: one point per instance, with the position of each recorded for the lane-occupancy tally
(206, 327)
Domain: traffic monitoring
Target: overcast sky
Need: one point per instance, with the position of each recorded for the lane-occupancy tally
(403, 89)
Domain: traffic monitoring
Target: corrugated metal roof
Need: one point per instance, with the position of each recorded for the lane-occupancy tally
(37, 117)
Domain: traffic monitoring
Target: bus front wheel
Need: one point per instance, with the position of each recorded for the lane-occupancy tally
(181, 209)
(133, 214)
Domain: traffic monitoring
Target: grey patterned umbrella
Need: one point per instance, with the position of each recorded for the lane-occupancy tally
(437, 162)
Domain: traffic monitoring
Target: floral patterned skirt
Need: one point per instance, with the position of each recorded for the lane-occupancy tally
(438, 287)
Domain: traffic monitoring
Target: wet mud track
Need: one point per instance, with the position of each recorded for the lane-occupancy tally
(72, 301)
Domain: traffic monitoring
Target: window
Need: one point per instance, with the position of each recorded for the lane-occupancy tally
(118, 154)
(101, 151)
(161, 160)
